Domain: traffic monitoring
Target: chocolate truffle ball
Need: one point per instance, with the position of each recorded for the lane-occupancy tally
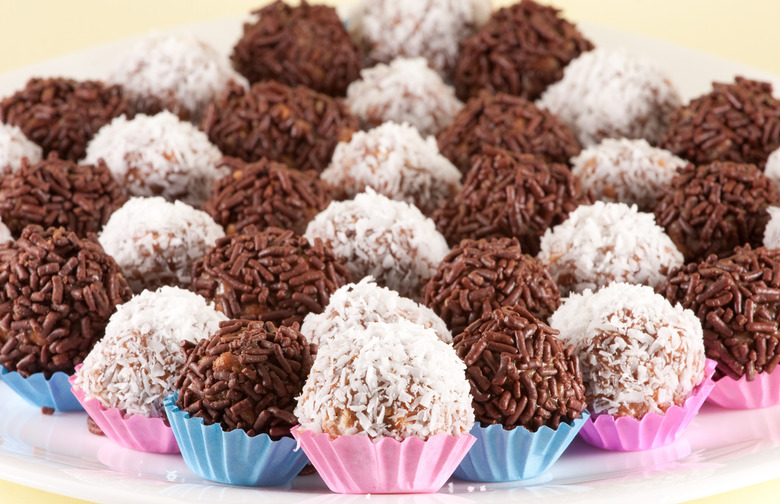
(14, 147)
(57, 292)
(61, 115)
(737, 299)
(710, 209)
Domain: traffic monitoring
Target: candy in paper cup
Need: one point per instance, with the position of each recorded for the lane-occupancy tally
(52, 393)
(233, 457)
(653, 430)
(510, 455)
(761, 392)
(358, 465)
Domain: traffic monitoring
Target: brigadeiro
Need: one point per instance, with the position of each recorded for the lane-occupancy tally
(710, 209)
(520, 51)
(292, 125)
(508, 194)
(265, 194)
(14, 146)
(78, 197)
(738, 122)
(306, 45)
(507, 122)
(61, 115)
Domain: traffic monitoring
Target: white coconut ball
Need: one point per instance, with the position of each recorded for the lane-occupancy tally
(15, 146)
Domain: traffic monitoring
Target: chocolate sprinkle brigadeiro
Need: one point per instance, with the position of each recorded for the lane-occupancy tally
(57, 292)
(246, 376)
(737, 299)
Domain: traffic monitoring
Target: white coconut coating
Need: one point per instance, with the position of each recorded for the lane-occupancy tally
(5, 233)
(395, 161)
(134, 366)
(394, 380)
(14, 146)
(772, 231)
(639, 354)
(156, 242)
(772, 167)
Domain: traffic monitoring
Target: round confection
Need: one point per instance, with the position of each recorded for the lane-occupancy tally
(246, 376)
(269, 275)
(507, 194)
(626, 170)
(158, 155)
(14, 147)
(406, 90)
(395, 161)
(507, 122)
(478, 276)
(638, 353)
(608, 242)
(156, 242)
(710, 209)
(520, 51)
(135, 365)
(265, 194)
(306, 45)
(612, 94)
(295, 126)
(363, 303)
(57, 292)
(386, 380)
(78, 197)
(61, 115)
(391, 241)
(737, 299)
(519, 371)
(174, 72)
(738, 122)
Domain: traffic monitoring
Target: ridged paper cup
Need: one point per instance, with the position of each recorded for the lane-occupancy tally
(45, 393)
(761, 392)
(653, 430)
(233, 457)
(510, 455)
(358, 465)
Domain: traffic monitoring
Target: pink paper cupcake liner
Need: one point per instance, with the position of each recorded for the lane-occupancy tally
(653, 430)
(761, 392)
(358, 465)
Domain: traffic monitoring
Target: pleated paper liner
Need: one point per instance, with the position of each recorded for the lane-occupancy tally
(761, 392)
(39, 391)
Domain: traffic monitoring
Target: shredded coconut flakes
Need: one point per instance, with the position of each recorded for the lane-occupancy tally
(772, 231)
(14, 146)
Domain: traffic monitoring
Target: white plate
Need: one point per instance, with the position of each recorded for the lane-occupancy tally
(722, 449)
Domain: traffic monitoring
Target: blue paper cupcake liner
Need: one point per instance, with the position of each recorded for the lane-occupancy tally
(233, 457)
(37, 390)
(511, 455)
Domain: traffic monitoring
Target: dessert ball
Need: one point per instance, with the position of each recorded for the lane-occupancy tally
(391, 241)
(270, 275)
(608, 242)
(479, 276)
(246, 376)
(710, 209)
(53, 192)
(156, 242)
(737, 299)
(395, 380)
(57, 292)
(395, 161)
(135, 365)
(772, 231)
(306, 45)
(519, 371)
(737, 122)
(295, 126)
(506, 122)
(14, 147)
(638, 353)
(612, 94)
(520, 51)
(62, 115)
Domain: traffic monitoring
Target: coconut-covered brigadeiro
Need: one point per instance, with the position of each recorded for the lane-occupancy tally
(302, 45)
(292, 125)
(737, 299)
(608, 242)
(78, 197)
(57, 292)
(520, 51)
(391, 241)
(156, 242)
(639, 354)
(14, 147)
(612, 94)
(61, 115)
(395, 161)
(710, 209)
